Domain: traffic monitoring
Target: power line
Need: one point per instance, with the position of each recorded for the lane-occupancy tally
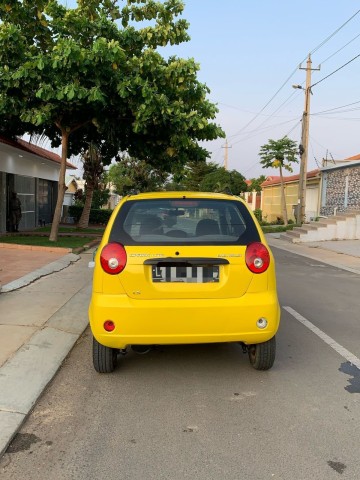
(339, 111)
(293, 72)
(257, 162)
(297, 124)
(336, 108)
(272, 115)
(248, 111)
(342, 48)
(332, 73)
(346, 119)
(271, 99)
(334, 33)
(255, 132)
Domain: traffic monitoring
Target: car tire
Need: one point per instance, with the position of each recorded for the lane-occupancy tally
(104, 358)
(262, 355)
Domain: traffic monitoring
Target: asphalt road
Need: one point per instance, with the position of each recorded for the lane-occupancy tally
(202, 412)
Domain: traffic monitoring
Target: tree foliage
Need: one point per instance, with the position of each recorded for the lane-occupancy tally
(195, 172)
(130, 175)
(280, 154)
(222, 180)
(93, 74)
(255, 183)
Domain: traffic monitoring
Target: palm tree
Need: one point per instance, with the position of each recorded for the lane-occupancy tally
(93, 169)
(280, 154)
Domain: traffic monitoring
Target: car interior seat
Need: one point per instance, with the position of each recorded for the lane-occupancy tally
(207, 226)
(151, 225)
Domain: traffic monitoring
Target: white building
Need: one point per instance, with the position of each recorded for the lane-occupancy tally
(33, 173)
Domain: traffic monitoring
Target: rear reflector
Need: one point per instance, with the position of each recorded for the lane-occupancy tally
(257, 257)
(113, 258)
(109, 325)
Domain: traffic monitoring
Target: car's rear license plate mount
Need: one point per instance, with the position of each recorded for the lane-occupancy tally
(185, 274)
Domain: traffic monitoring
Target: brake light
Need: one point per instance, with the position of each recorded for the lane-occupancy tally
(257, 257)
(113, 258)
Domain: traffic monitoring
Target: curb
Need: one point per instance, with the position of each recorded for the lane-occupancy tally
(91, 244)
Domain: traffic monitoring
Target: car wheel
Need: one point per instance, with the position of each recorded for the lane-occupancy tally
(262, 355)
(104, 358)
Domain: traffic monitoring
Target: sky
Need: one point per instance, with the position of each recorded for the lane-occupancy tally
(249, 54)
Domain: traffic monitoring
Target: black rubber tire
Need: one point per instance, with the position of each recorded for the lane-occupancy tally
(262, 355)
(104, 358)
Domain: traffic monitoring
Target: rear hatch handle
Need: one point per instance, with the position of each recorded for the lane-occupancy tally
(187, 261)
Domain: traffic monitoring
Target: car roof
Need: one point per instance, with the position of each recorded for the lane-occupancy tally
(183, 195)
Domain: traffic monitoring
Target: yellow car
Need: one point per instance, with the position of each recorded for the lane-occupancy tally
(183, 268)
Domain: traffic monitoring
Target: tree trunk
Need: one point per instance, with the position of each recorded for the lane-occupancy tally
(62, 187)
(283, 199)
(84, 219)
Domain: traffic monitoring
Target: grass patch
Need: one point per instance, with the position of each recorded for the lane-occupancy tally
(277, 228)
(82, 231)
(39, 241)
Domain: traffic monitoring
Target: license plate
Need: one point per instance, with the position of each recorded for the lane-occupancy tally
(180, 274)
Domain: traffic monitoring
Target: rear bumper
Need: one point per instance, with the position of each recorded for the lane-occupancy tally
(148, 322)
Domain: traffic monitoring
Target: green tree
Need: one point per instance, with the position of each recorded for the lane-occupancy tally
(131, 174)
(280, 154)
(222, 180)
(77, 76)
(195, 172)
(101, 196)
(93, 170)
(256, 183)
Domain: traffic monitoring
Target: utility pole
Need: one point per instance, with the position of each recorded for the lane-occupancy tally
(303, 147)
(226, 155)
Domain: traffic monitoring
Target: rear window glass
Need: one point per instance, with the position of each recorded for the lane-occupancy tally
(184, 221)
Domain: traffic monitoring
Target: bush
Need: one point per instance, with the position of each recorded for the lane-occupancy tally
(100, 216)
(277, 228)
(258, 214)
(97, 216)
(278, 221)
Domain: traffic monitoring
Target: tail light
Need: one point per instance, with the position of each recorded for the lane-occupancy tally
(257, 257)
(113, 258)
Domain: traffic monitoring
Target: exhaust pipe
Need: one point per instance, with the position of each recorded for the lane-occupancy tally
(141, 349)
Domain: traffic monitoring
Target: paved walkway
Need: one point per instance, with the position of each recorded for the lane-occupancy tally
(42, 315)
(16, 261)
(344, 254)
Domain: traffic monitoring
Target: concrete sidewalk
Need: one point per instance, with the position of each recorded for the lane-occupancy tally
(344, 254)
(41, 322)
(39, 325)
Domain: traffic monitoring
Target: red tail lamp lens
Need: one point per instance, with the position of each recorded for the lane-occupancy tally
(257, 257)
(113, 258)
(109, 325)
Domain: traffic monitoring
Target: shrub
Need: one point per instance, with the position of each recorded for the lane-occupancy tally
(97, 216)
(258, 214)
(100, 216)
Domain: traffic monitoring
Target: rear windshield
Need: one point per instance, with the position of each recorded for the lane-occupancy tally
(184, 221)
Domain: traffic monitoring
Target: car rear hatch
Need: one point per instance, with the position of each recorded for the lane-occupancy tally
(185, 272)
(184, 247)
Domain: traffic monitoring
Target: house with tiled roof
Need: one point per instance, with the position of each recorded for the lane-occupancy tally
(271, 196)
(33, 173)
